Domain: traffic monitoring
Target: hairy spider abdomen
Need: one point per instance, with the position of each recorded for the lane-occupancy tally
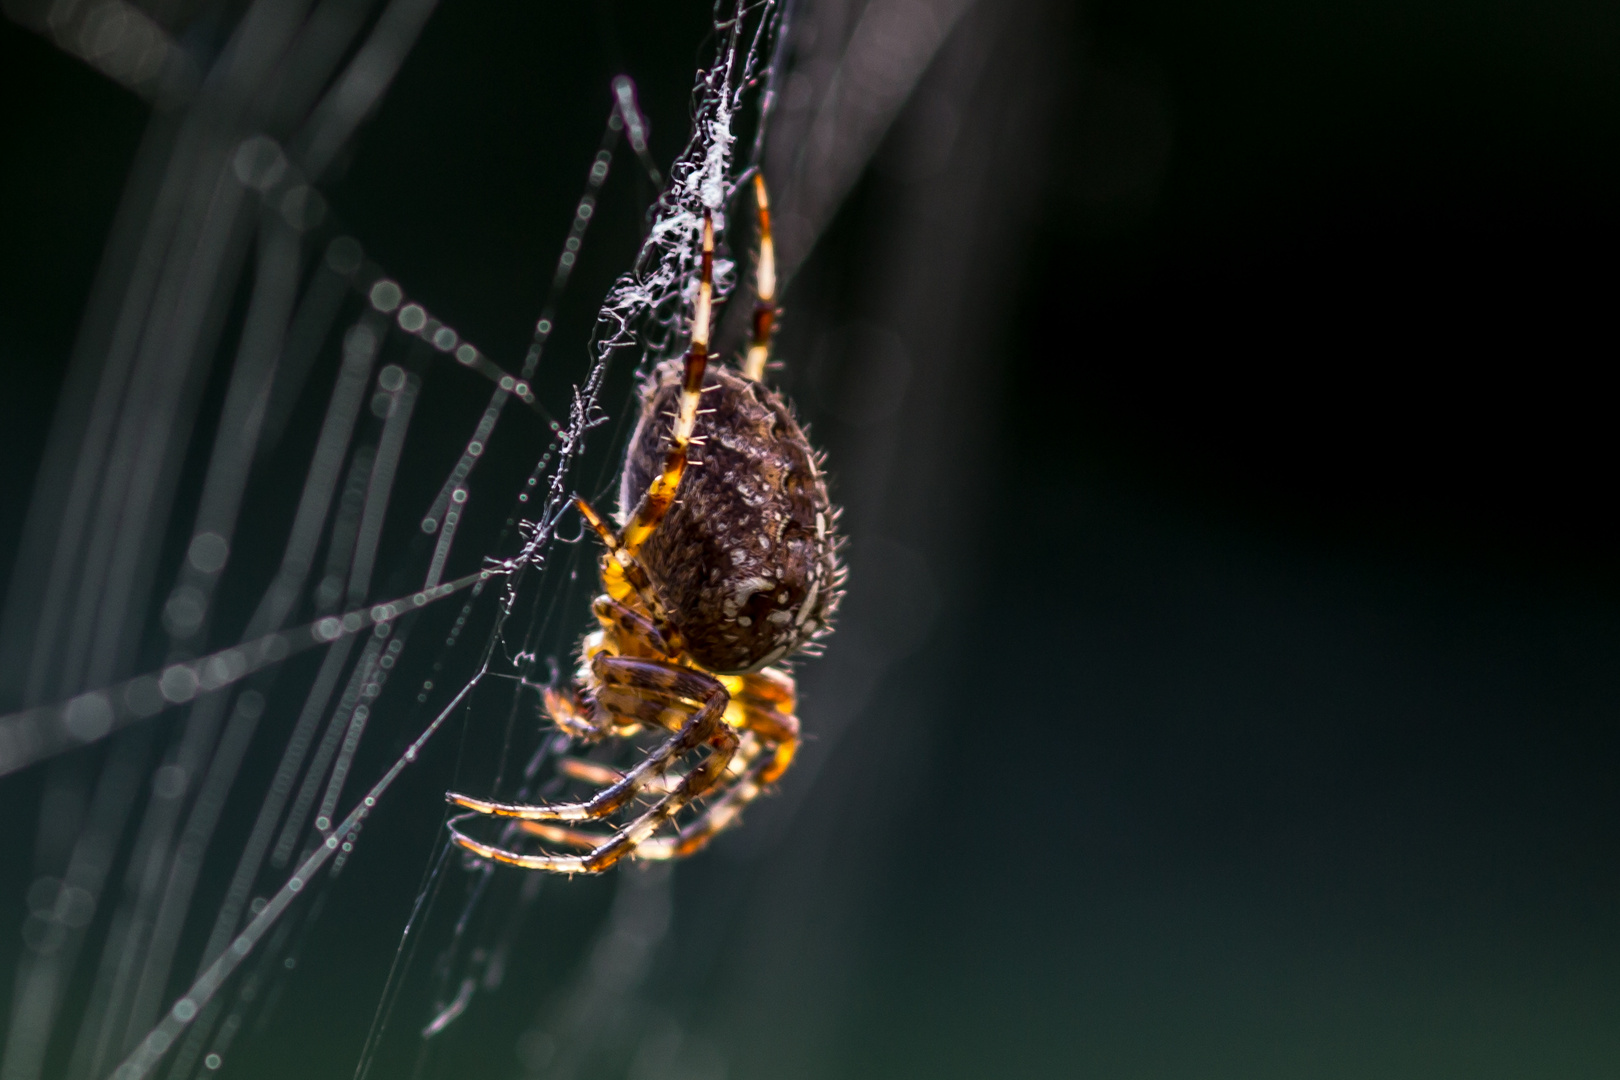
(746, 558)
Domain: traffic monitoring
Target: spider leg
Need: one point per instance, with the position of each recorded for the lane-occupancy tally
(625, 631)
(592, 772)
(671, 687)
(768, 698)
(780, 730)
(764, 702)
(634, 632)
(718, 816)
(561, 834)
(595, 773)
(570, 712)
(759, 349)
(723, 741)
(623, 576)
(661, 492)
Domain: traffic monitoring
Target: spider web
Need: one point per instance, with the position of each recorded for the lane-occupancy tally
(227, 248)
(187, 261)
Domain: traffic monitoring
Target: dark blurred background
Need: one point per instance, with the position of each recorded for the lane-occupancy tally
(1220, 396)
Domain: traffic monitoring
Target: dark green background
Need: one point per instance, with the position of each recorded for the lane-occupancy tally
(1275, 733)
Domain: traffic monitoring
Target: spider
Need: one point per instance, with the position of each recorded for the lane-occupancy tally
(723, 567)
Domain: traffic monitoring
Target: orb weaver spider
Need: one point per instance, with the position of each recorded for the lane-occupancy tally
(722, 568)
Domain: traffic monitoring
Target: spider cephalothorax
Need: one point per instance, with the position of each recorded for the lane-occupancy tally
(725, 563)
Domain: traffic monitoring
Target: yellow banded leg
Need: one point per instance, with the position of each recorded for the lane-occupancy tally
(759, 349)
(779, 733)
(571, 713)
(653, 680)
(634, 633)
(591, 772)
(626, 841)
(624, 578)
(769, 697)
(661, 492)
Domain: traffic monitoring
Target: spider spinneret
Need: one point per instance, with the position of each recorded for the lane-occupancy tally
(724, 565)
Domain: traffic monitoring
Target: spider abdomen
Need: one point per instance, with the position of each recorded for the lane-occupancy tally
(746, 558)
